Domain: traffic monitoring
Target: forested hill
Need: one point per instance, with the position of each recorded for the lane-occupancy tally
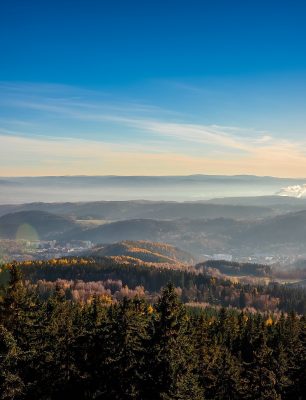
(144, 251)
(232, 268)
(34, 225)
(81, 278)
(278, 234)
(121, 210)
(243, 236)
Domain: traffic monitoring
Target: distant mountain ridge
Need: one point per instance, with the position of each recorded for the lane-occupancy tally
(120, 210)
(178, 188)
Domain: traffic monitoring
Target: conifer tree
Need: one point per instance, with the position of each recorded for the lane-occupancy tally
(18, 313)
(18, 305)
(229, 384)
(126, 340)
(172, 360)
(11, 384)
(298, 388)
(262, 380)
(61, 375)
(91, 347)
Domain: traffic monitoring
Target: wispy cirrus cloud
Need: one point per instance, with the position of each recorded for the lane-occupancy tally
(229, 137)
(21, 156)
(59, 128)
(133, 116)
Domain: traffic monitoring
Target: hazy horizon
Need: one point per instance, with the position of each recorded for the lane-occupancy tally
(156, 188)
(161, 176)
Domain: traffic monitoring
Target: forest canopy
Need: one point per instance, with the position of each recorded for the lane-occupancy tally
(56, 348)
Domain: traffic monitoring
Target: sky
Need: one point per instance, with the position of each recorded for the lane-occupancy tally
(171, 87)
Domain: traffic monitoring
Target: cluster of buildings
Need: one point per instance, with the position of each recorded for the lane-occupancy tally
(256, 258)
(21, 250)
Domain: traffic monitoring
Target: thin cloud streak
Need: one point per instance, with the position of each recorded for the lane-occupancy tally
(196, 133)
(201, 134)
(170, 145)
(46, 156)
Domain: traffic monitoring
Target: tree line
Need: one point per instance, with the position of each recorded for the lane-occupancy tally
(195, 286)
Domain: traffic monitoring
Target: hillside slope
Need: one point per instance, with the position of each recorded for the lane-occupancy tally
(284, 229)
(121, 210)
(206, 236)
(144, 251)
(34, 225)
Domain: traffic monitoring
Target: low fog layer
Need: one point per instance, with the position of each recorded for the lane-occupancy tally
(177, 188)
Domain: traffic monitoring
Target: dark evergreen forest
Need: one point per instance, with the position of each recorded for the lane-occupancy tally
(54, 348)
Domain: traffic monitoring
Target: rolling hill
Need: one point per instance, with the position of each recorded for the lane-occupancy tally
(34, 225)
(230, 268)
(122, 210)
(204, 236)
(195, 235)
(281, 230)
(144, 251)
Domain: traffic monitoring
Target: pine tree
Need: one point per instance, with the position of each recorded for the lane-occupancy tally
(279, 364)
(172, 360)
(90, 348)
(298, 389)
(126, 340)
(11, 384)
(60, 374)
(15, 309)
(262, 381)
(229, 384)
(18, 313)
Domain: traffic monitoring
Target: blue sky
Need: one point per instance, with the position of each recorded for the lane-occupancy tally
(152, 87)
